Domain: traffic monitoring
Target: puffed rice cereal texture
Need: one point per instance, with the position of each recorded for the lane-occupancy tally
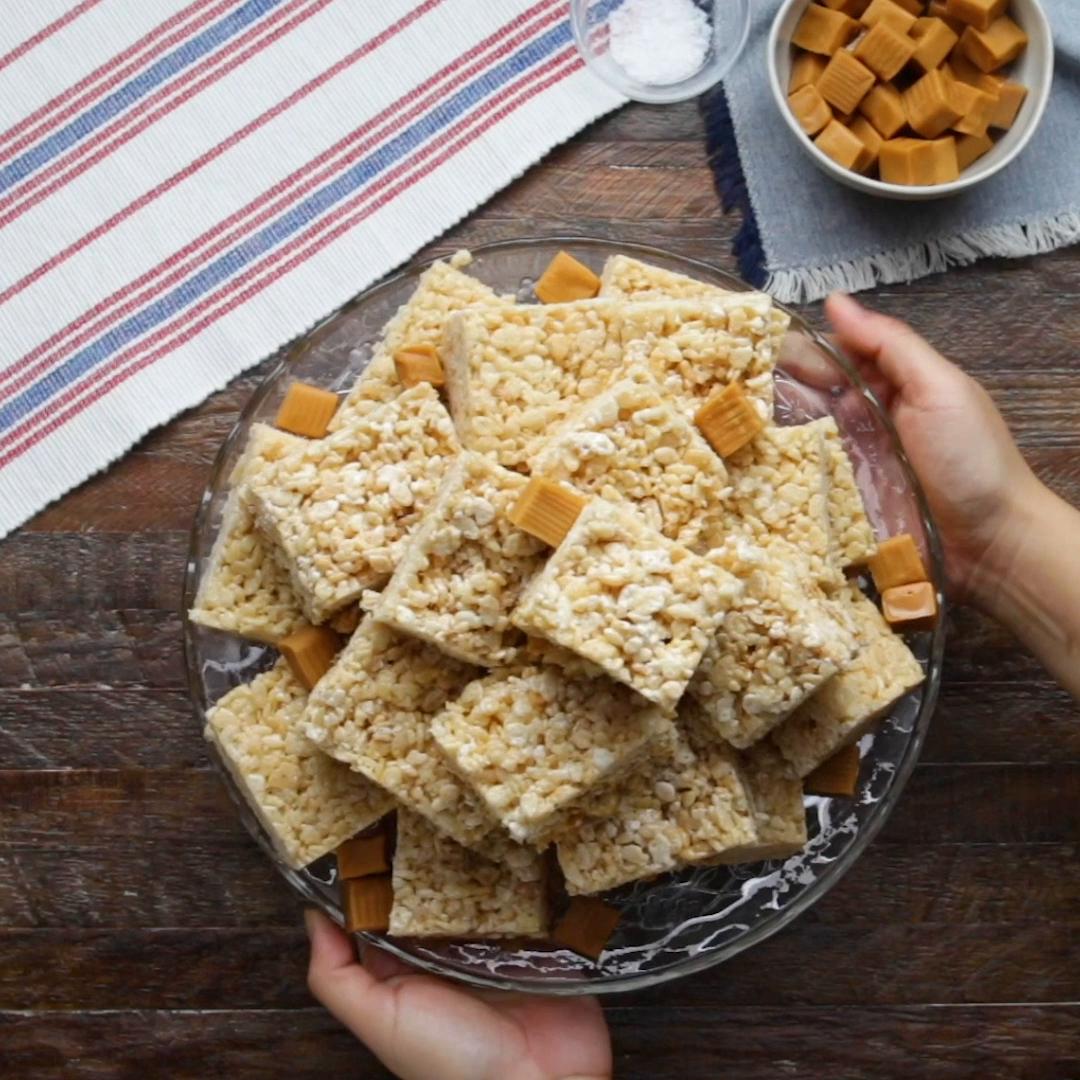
(442, 889)
(850, 532)
(307, 802)
(464, 567)
(373, 709)
(339, 508)
(641, 607)
(533, 740)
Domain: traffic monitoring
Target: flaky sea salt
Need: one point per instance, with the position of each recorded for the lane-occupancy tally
(659, 42)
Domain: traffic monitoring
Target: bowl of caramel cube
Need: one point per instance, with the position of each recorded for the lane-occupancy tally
(911, 99)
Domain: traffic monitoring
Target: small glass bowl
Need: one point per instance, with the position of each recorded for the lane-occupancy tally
(730, 22)
(700, 916)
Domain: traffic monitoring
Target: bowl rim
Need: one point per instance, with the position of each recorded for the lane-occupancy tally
(870, 186)
(829, 875)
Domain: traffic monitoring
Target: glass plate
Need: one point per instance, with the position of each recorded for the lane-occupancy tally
(683, 922)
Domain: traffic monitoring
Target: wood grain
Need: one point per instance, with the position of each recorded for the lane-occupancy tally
(143, 934)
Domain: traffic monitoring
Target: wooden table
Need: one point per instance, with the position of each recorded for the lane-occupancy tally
(143, 934)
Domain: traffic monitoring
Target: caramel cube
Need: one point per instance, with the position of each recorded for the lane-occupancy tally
(547, 510)
(938, 9)
(885, 51)
(928, 105)
(884, 108)
(977, 13)
(844, 147)
(309, 652)
(566, 279)
(913, 7)
(854, 8)
(306, 410)
(839, 776)
(1011, 96)
(806, 69)
(999, 44)
(587, 926)
(345, 621)
(976, 107)
(910, 607)
(845, 82)
(868, 135)
(890, 12)
(934, 40)
(728, 420)
(366, 903)
(969, 148)
(897, 562)
(809, 108)
(919, 162)
(419, 363)
(363, 856)
(822, 30)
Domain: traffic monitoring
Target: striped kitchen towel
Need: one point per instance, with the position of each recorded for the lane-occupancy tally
(185, 185)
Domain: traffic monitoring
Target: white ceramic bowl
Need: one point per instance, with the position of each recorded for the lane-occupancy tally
(1034, 68)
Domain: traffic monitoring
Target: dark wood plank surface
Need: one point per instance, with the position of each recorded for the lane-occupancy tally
(143, 934)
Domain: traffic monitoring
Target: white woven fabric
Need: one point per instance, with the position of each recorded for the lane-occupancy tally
(185, 185)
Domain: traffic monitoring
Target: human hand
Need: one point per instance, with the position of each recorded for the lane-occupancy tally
(975, 479)
(424, 1028)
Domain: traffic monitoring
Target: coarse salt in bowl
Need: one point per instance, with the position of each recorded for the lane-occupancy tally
(660, 51)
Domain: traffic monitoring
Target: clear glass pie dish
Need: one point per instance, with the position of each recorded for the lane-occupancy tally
(683, 922)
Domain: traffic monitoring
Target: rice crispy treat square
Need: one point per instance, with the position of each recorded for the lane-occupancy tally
(245, 589)
(513, 372)
(464, 567)
(532, 740)
(373, 709)
(780, 643)
(640, 606)
(850, 532)
(442, 889)
(441, 290)
(779, 489)
(339, 508)
(776, 797)
(845, 708)
(627, 278)
(307, 802)
(685, 807)
(631, 445)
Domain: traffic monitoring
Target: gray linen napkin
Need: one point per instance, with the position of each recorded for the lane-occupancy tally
(805, 235)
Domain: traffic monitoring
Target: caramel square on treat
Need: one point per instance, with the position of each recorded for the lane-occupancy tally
(309, 651)
(897, 562)
(636, 604)
(532, 740)
(419, 363)
(851, 536)
(728, 420)
(442, 889)
(781, 642)
(339, 509)
(546, 510)
(839, 776)
(373, 709)
(776, 797)
(306, 410)
(682, 807)
(586, 926)
(911, 607)
(883, 671)
(780, 490)
(441, 290)
(514, 372)
(307, 802)
(566, 279)
(366, 904)
(464, 567)
(363, 856)
(245, 589)
(631, 445)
